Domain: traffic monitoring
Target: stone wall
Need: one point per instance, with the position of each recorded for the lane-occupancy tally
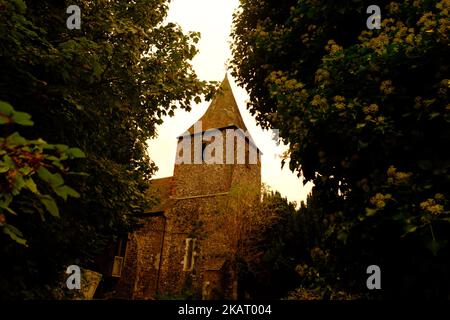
(200, 208)
(142, 260)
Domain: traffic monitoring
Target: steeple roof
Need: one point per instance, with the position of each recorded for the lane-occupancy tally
(222, 112)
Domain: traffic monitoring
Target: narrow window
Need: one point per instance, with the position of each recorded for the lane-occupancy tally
(189, 254)
(120, 251)
(247, 154)
(121, 248)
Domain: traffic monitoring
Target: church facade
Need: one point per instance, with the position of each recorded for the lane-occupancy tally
(185, 246)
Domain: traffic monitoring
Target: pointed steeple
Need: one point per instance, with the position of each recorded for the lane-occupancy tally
(222, 112)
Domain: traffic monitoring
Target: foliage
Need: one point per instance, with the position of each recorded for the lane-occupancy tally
(270, 272)
(366, 116)
(316, 265)
(102, 89)
(240, 219)
(291, 262)
(24, 162)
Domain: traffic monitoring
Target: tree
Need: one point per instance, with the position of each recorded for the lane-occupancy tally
(22, 163)
(262, 232)
(240, 218)
(102, 89)
(366, 116)
(277, 244)
(316, 264)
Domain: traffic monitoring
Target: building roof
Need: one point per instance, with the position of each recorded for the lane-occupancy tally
(222, 112)
(161, 190)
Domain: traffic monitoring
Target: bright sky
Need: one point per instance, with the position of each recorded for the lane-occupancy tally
(213, 18)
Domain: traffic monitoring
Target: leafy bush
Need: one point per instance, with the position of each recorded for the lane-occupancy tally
(22, 163)
(366, 116)
(102, 89)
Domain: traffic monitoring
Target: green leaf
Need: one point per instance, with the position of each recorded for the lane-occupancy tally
(4, 120)
(6, 108)
(362, 144)
(61, 147)
(370, 212)
(25, 170)
(8, 162)
(57, 180)
(54, 179)
(58, 164)
(18, 184)
(50, 204)
(445, 219)
(75, 153)
(433, 246)
(71, 192)
(434, 115)
(21, 6)
(15, 234)
(64, 191)
(16, 139)
(22, 118)
(7, 201)
(4, 167)
(82, 174)
(410, 228)
(4, 206)
(31, 185)
(44, 174)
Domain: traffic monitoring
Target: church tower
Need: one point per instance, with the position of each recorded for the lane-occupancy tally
(217, 152)
(186, 244)
(217, 161)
